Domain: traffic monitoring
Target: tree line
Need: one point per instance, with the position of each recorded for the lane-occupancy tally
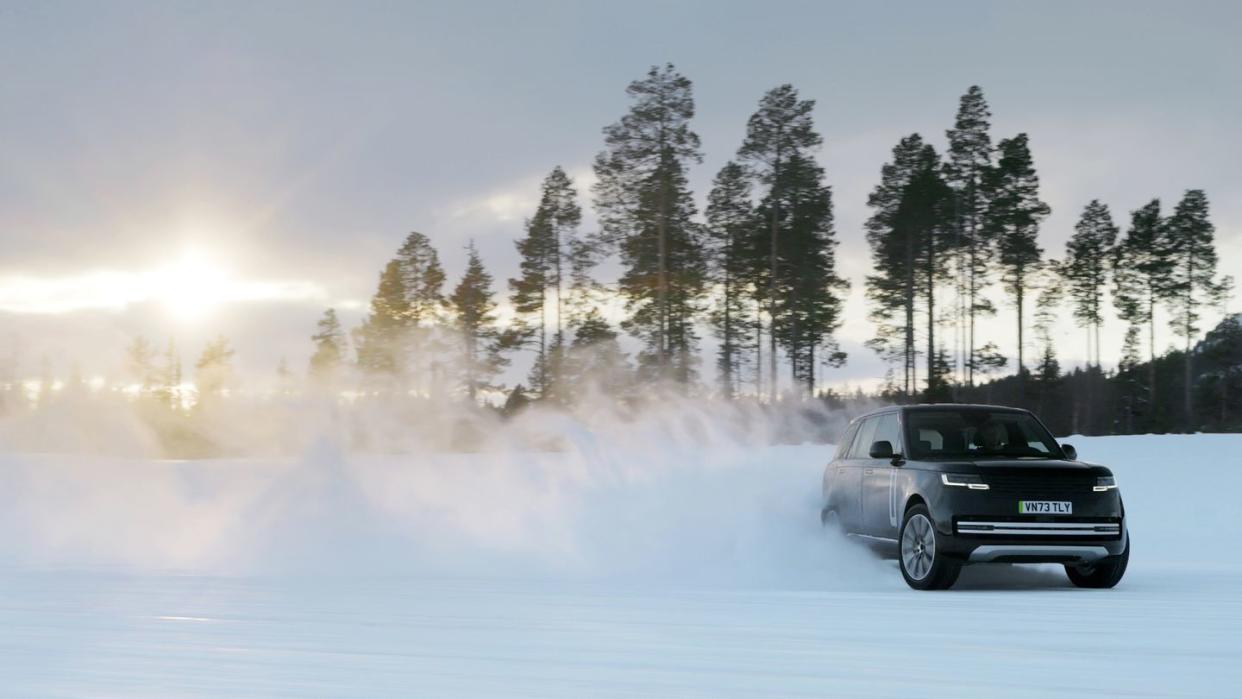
(954, 236)
(947, 229)
(757, 268)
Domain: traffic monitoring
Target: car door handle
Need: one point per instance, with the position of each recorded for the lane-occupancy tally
(869, 471)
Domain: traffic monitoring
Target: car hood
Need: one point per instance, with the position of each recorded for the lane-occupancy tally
(1025, 467)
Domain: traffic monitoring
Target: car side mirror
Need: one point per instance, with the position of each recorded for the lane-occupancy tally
(1070, 452)
(882, 450)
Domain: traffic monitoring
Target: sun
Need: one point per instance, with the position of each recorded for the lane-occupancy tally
(191, 287)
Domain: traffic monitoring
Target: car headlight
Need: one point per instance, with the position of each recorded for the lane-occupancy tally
(964, 480)
(1104, 483)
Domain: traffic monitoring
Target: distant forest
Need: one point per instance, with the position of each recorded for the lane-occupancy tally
(954, 237)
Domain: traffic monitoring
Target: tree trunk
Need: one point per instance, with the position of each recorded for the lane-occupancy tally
(810, 371)
(1189, 370)
(556, 230)
(758, 350)
(776, 207)
(971, 290)
(662, 277)
(728, 323)
(1151, 364)
(909, 301)
(543, 343)
(1018, 295)
(772, 389)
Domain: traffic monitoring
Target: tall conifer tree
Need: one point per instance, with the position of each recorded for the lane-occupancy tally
(967, 163)
(925, 215)
(381, 337)
(1013, 217)
(1140, 272)
(329, 352)
(555, 263)
(1086, 269)
(779, 133)
(892, 285)
(479, 340)
(645, 208)
(422, 280)
(1190, 250)
(911, 243)
(731, 227)
(807, 308)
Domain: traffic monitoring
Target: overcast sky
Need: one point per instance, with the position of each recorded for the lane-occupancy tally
(289, 147)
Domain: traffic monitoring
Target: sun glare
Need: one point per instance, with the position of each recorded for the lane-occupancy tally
(191, 287)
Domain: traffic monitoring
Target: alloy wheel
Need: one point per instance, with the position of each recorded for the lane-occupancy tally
(918, 546)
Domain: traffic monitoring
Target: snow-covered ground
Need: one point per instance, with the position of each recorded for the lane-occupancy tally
(616, 567)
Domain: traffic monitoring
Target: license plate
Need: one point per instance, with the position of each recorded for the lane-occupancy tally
(1045, 507)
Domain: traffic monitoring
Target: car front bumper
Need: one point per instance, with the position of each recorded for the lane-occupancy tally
(1041, 547)
(983, 527)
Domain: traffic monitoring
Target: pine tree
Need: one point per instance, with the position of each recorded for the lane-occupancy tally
(528, 294)
(595, 359)
(170, 390)
(214, 368)
(422, 279)
(731, 229)
(419, 346)
(645, 209)
(1190, 249)
(778, 133)
(892, 285)
(925, 216)
(1047, 306)
(1013, 217)
(910, 245)
(1221, 353)
(480, 355)
(381, 337)
(1086, 269)
(140, 363)
(968, 161)
(808, 304)
(555, 261)
(1140, 271)
(329, 353)
(1127, 372)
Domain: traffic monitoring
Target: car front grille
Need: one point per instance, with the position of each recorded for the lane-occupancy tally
(1037, 486)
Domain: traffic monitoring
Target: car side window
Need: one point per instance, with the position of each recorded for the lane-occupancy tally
(935, 440)
(844, 447)
(861, 447)
(889, 430)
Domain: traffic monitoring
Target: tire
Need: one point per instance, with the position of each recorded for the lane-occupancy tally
(923, 565)
(1102, 574)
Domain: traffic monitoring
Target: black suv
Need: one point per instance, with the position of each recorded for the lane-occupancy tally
(950, 485)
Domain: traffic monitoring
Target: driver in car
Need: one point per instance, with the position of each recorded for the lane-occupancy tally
(992, 436)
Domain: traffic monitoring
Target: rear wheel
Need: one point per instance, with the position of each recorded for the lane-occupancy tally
(1102, 574)
(922, 564)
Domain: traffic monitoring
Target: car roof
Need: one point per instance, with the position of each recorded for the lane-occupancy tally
(932, 407)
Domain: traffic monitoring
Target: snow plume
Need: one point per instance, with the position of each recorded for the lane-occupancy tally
(680, 492)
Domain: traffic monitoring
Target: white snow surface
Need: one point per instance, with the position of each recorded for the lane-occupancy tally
(624, 564)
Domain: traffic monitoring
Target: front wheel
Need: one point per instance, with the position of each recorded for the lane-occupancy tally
(1102, 574)
(922, 565)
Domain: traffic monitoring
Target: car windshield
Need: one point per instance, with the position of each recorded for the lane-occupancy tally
(977, 433)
